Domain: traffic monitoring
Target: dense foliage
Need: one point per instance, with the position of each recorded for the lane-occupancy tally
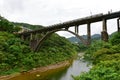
(106, 60)
(29, 26)
(5, 25)
(16, 55)
(115, 39)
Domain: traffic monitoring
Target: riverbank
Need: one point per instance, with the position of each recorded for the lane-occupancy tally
(60, 71)
(16, 55)
(105, 57)
(38, 72)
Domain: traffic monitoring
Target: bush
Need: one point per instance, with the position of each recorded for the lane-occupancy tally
(97, 45)
(106, 60)
(2, 57)
(15, 54)
(115, 40)
(15, 49)
(7, 26)
(115, 48)
(105, 70)
(25, 49)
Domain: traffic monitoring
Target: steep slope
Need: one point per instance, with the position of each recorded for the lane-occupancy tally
(16, 56)
(29, 26)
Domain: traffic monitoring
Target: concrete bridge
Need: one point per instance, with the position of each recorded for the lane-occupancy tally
(37, 37)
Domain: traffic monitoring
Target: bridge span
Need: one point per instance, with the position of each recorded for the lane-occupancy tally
(35, 41)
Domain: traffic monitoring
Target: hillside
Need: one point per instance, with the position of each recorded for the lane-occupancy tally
(76, 40)
(16, 55)
(29, 26)
(105, 57)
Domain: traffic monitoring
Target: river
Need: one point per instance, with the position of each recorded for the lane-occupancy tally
(75, 69)
(78, 66)
(60, 71)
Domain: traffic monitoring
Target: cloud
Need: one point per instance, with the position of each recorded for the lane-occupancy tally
(13, 5)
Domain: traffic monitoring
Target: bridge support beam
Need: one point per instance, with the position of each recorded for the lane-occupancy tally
(67, 28)
(76, 29)
(118, 24)
(88, 33)
(104, 33)
(22, 37)
(33, 44)
(33, 41)
(31, 36)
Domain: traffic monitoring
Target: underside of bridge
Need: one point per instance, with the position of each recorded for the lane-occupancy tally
(36, 43)
(37, 37)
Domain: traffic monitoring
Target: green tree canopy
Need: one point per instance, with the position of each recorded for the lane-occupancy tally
(5, 25)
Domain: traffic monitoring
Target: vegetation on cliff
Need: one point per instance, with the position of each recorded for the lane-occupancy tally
(16, 55)
(29, 26)
(7, 26)
(106, 60)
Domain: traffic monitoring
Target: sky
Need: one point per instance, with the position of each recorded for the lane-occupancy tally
(48, 12)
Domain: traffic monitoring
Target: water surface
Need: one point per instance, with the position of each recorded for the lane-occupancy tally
(78, 66)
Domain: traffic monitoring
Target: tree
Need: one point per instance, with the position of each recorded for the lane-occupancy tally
(115, 39)
(5, 25)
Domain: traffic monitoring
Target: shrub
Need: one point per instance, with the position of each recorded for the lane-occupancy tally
(105, 70)
(97, 45)
(15, 49)
(115, 40)
(106, 60)
(15, 54)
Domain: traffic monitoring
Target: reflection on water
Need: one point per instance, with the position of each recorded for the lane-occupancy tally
(76, 68)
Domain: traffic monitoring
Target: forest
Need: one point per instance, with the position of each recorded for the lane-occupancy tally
(105, 57)
(16, 55)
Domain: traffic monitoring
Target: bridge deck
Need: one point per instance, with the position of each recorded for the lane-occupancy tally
(80, 21)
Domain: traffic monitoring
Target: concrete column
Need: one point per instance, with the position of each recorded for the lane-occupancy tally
(67, 28)
(104, 33)
(76, 29)
(31, 36)
(104, 25)
(22, 37)
(33, 40)
(36, 36)
(118, 24)
(88, 33)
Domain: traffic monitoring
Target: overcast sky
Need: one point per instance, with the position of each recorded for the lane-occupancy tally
(48, 12)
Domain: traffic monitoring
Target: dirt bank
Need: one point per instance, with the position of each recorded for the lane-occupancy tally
(38, 73)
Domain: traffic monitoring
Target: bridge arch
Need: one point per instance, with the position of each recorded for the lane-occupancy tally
(39, 43)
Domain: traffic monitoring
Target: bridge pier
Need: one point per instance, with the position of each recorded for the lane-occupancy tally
(33, 44)
(36, 36)
(76, 29)
(88, 33)
(33, 40)
(67, 28)
(22, 37)
(31, 36)
(118, 24)
(104, 33)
